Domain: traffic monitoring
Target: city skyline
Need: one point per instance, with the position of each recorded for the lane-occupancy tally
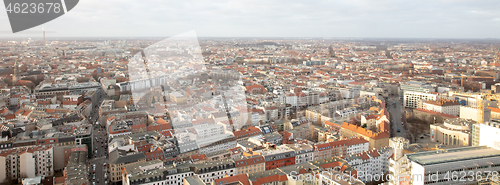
(344, 19)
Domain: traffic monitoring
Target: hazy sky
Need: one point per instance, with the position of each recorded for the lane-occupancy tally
(274, 18)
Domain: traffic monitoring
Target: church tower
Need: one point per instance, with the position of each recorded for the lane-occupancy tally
(16, 73)
(331, 53)
(410, 71)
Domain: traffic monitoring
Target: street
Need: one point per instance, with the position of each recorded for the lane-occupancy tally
(99, 150)
(398, 129)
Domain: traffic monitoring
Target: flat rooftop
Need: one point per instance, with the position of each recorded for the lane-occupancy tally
(451, 155)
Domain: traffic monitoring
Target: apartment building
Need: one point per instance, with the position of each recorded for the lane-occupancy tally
(216, 143)
(370, 163)
(169, 175)
(445, 106)
(279, 157)
(214, 170)
(252, 164)
(414, 99)
(291, 99)
(119, 161)
(348, 112)
(27, 162)
(207, 130)
(415, 87)
(340, 148)
(303, 152)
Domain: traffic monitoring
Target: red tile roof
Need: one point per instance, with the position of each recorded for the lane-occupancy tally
(497, 110)
(365, 132)
(250, 131)
(198, 157)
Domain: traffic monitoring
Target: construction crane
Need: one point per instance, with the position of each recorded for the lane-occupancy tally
(481, 104)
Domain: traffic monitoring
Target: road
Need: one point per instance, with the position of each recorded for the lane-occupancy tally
(99, 150)
(397, 117)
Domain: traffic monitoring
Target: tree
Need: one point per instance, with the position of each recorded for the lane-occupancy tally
(363, 126)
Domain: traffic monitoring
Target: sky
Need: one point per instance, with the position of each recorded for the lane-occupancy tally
(273, 18)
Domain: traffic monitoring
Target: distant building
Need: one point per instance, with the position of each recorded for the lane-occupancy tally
(313, 63)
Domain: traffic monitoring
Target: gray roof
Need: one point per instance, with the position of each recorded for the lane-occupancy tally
(456, 154)
(114, 158)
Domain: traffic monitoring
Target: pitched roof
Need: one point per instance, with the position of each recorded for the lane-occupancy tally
(365, 132)
(243, 178)
(250, 131)
(249, 161)
(268, 179)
